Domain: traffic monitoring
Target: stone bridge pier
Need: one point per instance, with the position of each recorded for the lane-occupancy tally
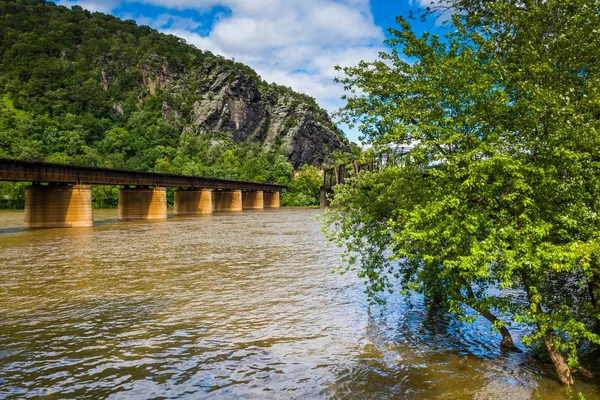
(253, 200)
(58, 206)
(142, 203)
(193, 201)
(227, 200)
(271, 199)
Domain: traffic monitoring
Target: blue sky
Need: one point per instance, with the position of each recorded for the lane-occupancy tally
(294, 43)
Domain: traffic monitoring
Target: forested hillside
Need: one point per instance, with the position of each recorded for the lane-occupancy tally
(88, 88)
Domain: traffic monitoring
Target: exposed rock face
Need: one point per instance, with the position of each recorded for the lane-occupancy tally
(227, 100)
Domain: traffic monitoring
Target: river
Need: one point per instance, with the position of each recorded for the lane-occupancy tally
(228, 305)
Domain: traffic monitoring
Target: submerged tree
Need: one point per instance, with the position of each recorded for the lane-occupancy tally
(501, 189)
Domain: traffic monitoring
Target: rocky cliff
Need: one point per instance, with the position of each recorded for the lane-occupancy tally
(218, 96)
(227, 100)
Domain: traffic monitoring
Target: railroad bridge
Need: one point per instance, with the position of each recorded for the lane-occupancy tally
(341, 173)
(60, 195)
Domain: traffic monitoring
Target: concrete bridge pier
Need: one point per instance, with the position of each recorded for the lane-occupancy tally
(253, 200)
(142, 203)
(271, 199)
(193, 201)
(58, 206)
(227, 200)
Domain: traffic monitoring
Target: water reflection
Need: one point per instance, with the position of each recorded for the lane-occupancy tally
(241, 305)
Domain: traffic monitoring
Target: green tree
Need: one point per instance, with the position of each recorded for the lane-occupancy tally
(501, 188)
(305, 189)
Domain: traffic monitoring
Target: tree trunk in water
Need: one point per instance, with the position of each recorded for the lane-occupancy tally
(594, 288)
(560, 365)
(558, 361)
(507, 340)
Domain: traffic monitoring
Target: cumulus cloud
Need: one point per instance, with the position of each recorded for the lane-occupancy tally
(105, 6)
(165, 22)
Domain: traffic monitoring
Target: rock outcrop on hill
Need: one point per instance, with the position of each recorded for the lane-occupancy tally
(226, 100)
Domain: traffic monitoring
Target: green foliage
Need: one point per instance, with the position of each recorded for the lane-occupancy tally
(12, 195)
(9, 105)
(305, 189)
(496, 207)
(105, 196)
(340, 158)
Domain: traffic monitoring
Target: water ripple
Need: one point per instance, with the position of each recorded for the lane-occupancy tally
(235, 305)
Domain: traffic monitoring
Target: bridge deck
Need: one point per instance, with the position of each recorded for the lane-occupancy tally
(30, 171)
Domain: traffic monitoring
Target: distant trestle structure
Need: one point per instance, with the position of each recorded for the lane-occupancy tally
(66, 200)
(340, 173)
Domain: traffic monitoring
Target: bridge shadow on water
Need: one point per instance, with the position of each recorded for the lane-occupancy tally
(13, 219)
(7, 231)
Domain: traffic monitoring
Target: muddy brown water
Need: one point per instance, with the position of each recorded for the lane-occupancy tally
(228, 305)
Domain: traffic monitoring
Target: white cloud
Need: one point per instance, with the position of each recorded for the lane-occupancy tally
(105, 6)
(165, 22)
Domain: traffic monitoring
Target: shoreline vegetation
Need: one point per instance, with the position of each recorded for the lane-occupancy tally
(495, 209)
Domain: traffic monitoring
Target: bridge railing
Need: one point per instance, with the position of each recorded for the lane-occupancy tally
(29, 171)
